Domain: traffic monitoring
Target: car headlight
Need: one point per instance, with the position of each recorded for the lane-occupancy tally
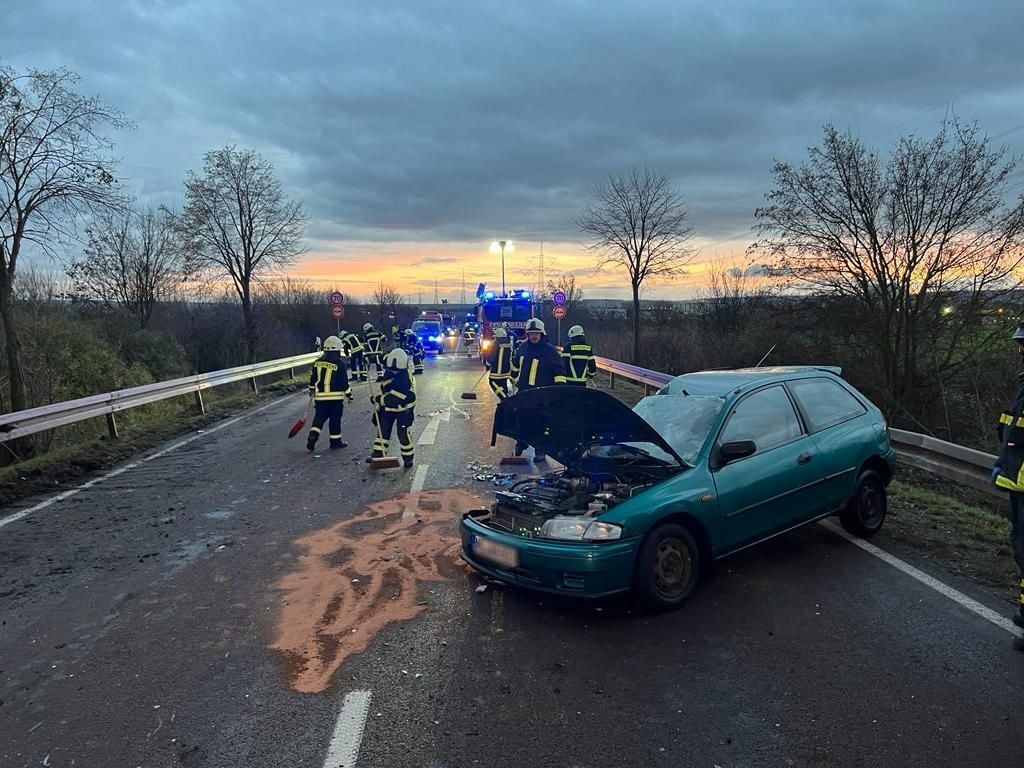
(431, 338)
(485, 343)
(579, 529)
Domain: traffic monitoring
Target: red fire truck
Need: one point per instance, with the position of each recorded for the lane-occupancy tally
(495, 310)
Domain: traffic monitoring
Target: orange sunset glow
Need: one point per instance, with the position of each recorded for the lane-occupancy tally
(413, 269)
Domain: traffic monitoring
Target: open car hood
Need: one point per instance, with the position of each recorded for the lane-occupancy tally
(564, 421)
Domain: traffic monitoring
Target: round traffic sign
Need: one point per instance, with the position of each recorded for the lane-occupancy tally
(338, 311)
(559, 312)
(337, 298)
(558, 297)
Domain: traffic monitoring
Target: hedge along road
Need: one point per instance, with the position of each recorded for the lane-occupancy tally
(238, 601)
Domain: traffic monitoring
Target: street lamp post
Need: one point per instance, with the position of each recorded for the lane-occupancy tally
(495, 247)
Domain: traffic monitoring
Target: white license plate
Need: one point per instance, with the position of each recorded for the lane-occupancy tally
(495, 552)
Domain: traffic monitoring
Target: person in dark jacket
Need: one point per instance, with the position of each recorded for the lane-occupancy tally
(499, 364)
(329, 388)
(374, 341)
(1008, 474)
(536, 364)
(355, 349)
(414, 349)
(395, 407)
(580, 366)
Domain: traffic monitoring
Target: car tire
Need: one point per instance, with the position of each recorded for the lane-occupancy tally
(667, 568)
(865, 511)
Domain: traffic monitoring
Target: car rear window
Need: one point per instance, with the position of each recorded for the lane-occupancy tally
(825, 402)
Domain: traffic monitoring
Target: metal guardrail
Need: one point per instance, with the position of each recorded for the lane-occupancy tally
(958, 463)
(27, 422)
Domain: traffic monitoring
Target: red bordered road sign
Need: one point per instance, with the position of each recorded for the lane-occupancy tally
(559, 312)
(338, 311)
(558, 297)
(337, 299)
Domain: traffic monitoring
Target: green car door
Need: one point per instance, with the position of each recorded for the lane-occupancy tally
(776, 487)
(840, 426)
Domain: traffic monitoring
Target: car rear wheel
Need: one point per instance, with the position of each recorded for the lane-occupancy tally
(667, 568)
(865, 512)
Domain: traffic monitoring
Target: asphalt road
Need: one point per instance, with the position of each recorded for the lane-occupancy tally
(237, 601)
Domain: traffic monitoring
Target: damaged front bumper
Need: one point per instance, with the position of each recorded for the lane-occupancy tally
(584, 569)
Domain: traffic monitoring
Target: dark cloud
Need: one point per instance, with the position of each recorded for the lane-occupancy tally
(445, 121)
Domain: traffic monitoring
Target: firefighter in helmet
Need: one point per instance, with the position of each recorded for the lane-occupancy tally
(413, 347)
(499, 364)
(1008, 474)
(329, 388)
(355, 350)
(536, 364)
(395, 407)
(374, 341)
(580, 366)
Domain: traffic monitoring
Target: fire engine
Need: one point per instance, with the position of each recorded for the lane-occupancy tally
(493, 310)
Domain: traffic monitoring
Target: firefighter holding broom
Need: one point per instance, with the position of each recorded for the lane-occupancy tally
(329, 388)
(394, 407)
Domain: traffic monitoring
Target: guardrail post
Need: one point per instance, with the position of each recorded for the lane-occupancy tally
(111, 426)
(254, 389)
(291, 373)
(611, 380)
(647, 389)
(199, 402)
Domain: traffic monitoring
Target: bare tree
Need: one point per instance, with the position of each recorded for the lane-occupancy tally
(239, 222)
(638, 222)
(566, 283)
(54, 168)
(387, 300)
(918, 247)
(131, 261)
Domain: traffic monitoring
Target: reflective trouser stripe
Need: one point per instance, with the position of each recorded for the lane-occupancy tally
(335, 436)
(405, 443)
(534, 365)
(314, 429)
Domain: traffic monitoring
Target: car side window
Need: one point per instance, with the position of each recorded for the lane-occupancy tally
(825, 403)
(766, 417)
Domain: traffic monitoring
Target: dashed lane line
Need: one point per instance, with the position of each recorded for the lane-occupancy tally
(121, 470)
(414, 492)
(929, 581)
(343, 750)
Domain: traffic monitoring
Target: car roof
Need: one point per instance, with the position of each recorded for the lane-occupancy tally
(722, 382)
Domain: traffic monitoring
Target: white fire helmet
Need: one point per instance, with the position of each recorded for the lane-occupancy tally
(534, 324)
(397, 359)
(332, 344)
(576, 330)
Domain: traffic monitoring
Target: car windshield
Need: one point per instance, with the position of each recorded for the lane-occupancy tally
(426, 326)
(683, 420)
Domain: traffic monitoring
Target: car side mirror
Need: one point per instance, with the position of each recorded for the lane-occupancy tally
(738, 449)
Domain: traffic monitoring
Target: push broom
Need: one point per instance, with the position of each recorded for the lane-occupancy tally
(471, 395)
(383, 462)
(298, 425)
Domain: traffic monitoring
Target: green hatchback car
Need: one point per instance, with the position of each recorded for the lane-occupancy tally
(648, 498)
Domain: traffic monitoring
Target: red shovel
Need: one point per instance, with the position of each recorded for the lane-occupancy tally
(298, 425)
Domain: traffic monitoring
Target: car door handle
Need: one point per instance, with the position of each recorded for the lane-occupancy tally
(804, 458)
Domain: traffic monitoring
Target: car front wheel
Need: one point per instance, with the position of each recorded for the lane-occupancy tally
(667, 568)
(865, 512)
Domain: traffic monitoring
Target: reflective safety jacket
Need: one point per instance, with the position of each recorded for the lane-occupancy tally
(499, 360)
(397, 391)
(374, 342)
(413, 347)
(329, 378)
(580, 365)
(352, 342)
(537, 365)
(1011, 443)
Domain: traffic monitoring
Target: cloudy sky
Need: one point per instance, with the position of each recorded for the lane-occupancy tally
(418, 131)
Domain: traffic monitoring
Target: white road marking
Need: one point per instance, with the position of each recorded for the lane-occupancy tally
(121, 470)
(929, 581)
(348, 731)
(429, 433)
(414, 492)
